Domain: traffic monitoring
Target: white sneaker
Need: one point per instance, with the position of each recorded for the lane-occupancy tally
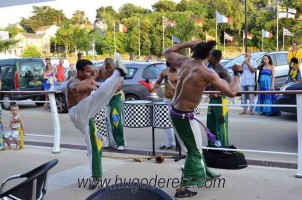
(120, 148)
(119, 64)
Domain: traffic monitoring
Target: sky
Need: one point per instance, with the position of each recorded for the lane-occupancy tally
(10, 15)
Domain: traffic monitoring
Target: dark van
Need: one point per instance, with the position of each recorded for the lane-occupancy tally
(21, 74)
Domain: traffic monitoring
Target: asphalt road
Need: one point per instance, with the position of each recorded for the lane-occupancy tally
(252, 132)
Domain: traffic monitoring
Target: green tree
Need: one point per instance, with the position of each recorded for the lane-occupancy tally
(31, 52)
(43, 16)
(64, 37)
(164, 5)
(13, 31)
(128, 10)
(79, 18)
(81, 39)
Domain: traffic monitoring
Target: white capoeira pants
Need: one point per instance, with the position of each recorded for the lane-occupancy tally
(169, 136)
(88, 107)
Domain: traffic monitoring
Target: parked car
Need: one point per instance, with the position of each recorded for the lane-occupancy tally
(135, 86)
(225, 61)
(289, 99)
(279, 60)
(21, 74)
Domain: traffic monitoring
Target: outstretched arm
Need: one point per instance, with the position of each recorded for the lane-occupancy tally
(229, 89)
(81, 86)
(173, 57)
(159, 80)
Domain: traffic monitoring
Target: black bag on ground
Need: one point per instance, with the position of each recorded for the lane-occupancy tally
(224, 159)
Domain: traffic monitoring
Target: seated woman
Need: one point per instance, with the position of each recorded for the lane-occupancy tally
(266, 82)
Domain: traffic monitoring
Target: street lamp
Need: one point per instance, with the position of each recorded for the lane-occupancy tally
(245, 25)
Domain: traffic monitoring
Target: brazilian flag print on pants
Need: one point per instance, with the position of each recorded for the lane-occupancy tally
(217, 120)
(116, 106)
(96, 150)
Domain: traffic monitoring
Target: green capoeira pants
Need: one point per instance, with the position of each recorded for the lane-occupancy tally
(116, 106)
(96, 150)
(188, 133)
(82, 116)
(217, 120)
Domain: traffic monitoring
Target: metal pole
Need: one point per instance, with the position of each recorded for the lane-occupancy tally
(139, 40)
(216, 30)
(283, 38)
(262, 42)
(163, 34)
(56, 123)
(299, 129)
(114, 36)
(245, 24)
(277, 25)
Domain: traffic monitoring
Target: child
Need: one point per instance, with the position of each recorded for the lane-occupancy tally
(16, 125)
(294, 70)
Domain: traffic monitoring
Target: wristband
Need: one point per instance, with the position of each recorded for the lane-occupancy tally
(238, 73)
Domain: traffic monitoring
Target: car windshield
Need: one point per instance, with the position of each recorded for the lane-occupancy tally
(32, 68)
(153, 71)
(239, 59)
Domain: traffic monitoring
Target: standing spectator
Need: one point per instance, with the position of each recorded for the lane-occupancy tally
(79, 55)
(72, 72)
(47, 61)
(49, 79)
(266, 83)
(16, 125)
(169, 75)
(60, 72)
(1, 125)
(293, 56)
(217, 117)
(115, 106)
(247, 83)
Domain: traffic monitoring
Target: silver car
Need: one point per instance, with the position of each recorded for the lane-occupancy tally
(135, 83)
(279, 60)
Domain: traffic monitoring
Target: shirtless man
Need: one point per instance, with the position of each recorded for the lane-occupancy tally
(114, 108)
(169, 75)
(193, 78)
(84, 104)
(217, 118)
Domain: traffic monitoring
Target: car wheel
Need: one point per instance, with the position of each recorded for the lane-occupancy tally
(131, 97)
(39, 103)
(61, 103)
(6, 104)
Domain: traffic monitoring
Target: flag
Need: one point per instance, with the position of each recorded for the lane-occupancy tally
(168, 23)
(95, 27)
(210, 38)
(266, 34)
(175, 39)
(199, 21)
(291, 10)
(290, 15)
(228, 37)
(223, 19)
(282, 8)
(282, 15)
(287, 32)
(101, 25)
(249, 36)
(120, 27)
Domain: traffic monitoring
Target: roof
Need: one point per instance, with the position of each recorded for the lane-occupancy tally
(32, 35)
(44, 28)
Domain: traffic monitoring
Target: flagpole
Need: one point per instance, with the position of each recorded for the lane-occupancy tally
(216, 30)
(262, 41)
(242, 41)
(283, 38)
(114, 39)
(163, 35)
(223, 44)
(139, 39)
(206, 36)
(277, 25)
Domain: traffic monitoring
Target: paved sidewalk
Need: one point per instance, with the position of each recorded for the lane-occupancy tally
(251, 183)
